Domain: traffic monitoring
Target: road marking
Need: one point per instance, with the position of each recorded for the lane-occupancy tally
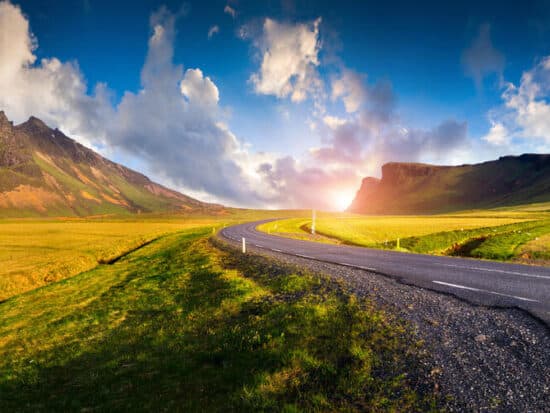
(276, 250)
(345, 264)
(546, 277)
(305, 256)
(366, 268)
(463, 287)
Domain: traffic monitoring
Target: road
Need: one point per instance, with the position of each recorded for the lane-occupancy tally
(479, 282)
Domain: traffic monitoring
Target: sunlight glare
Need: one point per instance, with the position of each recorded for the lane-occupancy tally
(342, 199)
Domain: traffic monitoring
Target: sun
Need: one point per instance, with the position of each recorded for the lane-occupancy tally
(342, 199)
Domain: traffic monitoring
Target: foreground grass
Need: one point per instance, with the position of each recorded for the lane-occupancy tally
(520, 234)
(167, 328)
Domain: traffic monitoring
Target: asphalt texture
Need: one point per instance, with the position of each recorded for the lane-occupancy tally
(480, 282)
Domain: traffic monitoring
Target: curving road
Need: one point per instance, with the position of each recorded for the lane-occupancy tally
(479, 282)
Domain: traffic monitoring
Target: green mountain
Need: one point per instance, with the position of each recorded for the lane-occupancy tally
(45, 173)
(412, 188)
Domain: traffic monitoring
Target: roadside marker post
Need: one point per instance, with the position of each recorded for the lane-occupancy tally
(313, 222)
(244, 245)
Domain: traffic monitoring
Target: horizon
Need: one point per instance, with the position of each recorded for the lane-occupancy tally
(310, 98)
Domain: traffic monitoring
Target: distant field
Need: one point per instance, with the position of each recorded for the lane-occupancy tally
(502, 234)
(37, 252)
(180, 325)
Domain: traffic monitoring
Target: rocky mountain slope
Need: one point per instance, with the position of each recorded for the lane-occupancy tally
(412, 188)
(44, 172)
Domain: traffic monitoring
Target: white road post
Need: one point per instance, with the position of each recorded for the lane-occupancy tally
(313, 223)
(244, 245)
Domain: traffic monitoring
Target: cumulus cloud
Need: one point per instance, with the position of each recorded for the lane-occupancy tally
(213, 30)
(372, 133)
(498, 134)
(289, 60)
(523, 120)
(481, 58)
(199, 89)
(178, 131)
(50, 89)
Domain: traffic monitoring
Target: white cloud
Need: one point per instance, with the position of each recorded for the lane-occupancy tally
(230, 10)
(175, 130)
(198, 89)
(334, 122)
(213, 30)
(289, 60)
(178, 131)
(52, 90)
(523, 121)
(349, 87)
(498, 135)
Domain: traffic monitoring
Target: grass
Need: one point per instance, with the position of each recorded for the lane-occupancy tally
(36, 253)
(180, 325)
(503, 234)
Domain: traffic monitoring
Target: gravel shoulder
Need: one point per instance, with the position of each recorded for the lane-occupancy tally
(482, 359)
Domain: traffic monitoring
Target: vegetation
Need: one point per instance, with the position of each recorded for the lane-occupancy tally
(503, 234)
(38, 252)
(169, 328)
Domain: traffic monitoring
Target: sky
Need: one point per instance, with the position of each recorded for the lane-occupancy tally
(281, 104)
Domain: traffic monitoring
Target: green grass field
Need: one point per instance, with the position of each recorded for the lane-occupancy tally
(503, 234)
(180, 325)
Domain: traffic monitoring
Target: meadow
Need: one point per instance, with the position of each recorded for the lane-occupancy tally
(37, 252)
(182, 324)
(504, 234)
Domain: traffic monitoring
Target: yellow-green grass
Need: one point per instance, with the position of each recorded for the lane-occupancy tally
(180, 325)
(538, 248)
(371, 230)
(34, 253)
(37, 252)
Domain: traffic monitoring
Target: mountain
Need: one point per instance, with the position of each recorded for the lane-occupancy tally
(413, 188)
(44, 172)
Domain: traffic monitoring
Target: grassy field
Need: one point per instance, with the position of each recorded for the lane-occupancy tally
(180, 325)
(38, 252)
(502, 234)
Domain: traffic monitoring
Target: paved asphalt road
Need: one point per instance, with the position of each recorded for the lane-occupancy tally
(479, 282)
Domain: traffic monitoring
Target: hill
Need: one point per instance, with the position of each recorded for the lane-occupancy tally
(43, 172)
(412, 188)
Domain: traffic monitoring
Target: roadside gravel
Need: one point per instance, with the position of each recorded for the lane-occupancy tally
(482, 359)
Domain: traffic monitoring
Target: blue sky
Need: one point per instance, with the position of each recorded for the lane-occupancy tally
(422, 69)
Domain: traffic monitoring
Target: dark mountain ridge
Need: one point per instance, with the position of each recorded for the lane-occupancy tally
(414, 188)
(44, 172)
